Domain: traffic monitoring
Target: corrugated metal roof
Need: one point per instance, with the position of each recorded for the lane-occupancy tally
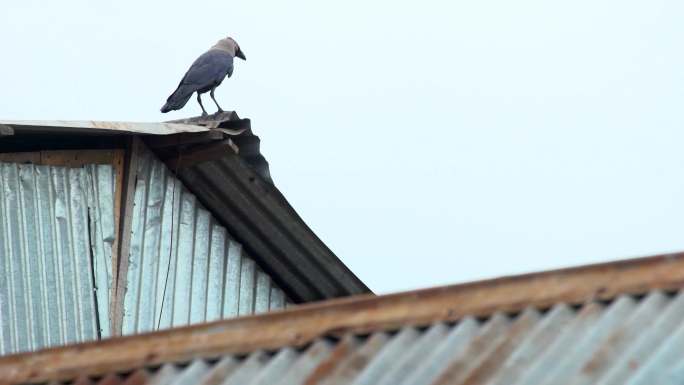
(279, 240)
(101, 197)
(47, 283)
(183, 266)
(612, 323)
(630, 340)
(244, 198)
(259, 215)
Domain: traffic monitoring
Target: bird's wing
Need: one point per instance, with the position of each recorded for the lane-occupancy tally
(210, 67)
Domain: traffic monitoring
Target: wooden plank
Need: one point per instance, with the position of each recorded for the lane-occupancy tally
(20, 157)
(210, 121)
(125, 216)
(62, 158)
(118, 162)
(363, 314)
(77, 158)
(199, 154)
(156, 142)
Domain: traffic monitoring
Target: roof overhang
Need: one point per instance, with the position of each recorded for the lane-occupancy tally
(219, 160)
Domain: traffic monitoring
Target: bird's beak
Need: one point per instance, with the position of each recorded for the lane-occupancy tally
(240, 54)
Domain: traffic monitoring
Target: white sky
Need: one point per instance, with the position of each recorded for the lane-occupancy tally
(425, 142)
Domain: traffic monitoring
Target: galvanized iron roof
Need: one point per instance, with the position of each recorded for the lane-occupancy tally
(219, 160)
(630, 340)
(618, 323)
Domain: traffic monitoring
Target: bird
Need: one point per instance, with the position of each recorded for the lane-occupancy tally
(205, 74)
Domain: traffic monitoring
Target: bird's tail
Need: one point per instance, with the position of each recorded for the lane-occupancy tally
(178, 98)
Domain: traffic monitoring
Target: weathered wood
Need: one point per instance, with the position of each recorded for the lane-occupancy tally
(362, 314)
(21, 157)
(210, 121)
(54, 142)
(199, 154)
(118, 162)
(63, 158)
(156, 142)
(125, 219)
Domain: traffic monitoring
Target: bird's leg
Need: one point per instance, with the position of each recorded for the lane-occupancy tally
(214, 99)
(199, 100)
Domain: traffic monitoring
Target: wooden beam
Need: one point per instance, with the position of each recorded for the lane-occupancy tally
(119, 163)
(210, 121)
(125, 220)
(21, 157)
(363, 314)
(157, 142)
(199, 154)
(63, 158)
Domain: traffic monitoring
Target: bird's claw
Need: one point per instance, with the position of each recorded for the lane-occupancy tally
(204, 114)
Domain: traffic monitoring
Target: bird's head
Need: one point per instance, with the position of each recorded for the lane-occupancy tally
(229, 44)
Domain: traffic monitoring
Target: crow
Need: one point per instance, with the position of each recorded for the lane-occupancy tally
(205, 74)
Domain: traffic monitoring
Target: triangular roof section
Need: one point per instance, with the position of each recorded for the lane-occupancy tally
(218, 159)
(585, 323)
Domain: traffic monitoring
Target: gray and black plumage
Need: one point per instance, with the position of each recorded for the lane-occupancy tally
(205, 74)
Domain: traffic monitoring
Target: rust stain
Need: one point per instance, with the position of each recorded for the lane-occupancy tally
(602, 356)
(139, 377)
(459, 365)
(357, 360)
(498, 357)
(360, 314)
(83, 380)
(325, 368)
(633, 365)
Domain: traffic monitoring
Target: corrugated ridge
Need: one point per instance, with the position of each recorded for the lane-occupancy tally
(630, 340)
(183, 266)
(47, 295)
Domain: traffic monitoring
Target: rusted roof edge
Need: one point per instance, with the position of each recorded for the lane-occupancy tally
(360, 314)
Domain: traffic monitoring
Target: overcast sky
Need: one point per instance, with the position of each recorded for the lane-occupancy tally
(426, 142)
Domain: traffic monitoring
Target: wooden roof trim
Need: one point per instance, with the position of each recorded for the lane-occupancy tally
(361, 314)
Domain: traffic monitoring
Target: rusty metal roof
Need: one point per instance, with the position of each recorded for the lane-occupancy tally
(219, 160)
(611, 323)
(627, 341)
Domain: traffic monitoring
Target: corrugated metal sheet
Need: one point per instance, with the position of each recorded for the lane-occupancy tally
(48, 218)
(259, 216)
(183, 266)
(99, 127)
(630, 340)
(101, 196)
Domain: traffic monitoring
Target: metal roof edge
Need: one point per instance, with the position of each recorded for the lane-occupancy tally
(281, 241)
(237, 188)
(362, 314)
(100, 127)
